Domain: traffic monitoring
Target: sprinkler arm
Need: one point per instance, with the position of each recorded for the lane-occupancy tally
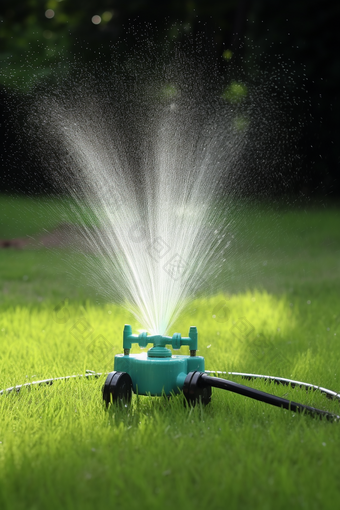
(176, 341)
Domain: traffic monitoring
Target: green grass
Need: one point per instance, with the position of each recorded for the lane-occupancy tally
(276, 311)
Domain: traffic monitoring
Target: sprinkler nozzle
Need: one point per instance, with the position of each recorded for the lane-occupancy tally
(176, 341)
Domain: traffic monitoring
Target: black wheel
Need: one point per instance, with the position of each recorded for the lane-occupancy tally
(117, 388)
(195, 390)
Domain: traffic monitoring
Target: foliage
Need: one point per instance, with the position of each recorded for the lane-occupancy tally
(235, 92)
(300, 36)
(45, 32)
(303, 36)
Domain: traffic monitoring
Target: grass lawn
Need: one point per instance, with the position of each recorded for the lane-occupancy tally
(276, 310)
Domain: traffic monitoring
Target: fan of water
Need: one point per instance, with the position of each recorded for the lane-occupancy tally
(145, 149)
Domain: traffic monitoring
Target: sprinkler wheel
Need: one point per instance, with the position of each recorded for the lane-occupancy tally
(117, 388)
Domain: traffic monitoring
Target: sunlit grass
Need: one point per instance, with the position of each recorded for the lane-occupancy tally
(236, 449)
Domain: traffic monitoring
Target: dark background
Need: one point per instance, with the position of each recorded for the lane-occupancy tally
(304, 34)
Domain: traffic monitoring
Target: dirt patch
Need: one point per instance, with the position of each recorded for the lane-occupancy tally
(63, 236)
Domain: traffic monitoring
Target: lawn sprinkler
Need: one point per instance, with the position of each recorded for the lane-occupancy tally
(155, 372)
(158, 372)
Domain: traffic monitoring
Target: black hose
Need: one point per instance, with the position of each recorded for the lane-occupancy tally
(280, 380)
(224, 384)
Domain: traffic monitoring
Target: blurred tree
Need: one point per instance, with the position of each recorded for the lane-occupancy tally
(300, 41)
(36, 36)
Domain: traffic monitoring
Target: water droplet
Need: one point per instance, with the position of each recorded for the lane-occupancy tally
(49, 13)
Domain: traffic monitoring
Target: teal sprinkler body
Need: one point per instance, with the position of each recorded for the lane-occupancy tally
(158, 371)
